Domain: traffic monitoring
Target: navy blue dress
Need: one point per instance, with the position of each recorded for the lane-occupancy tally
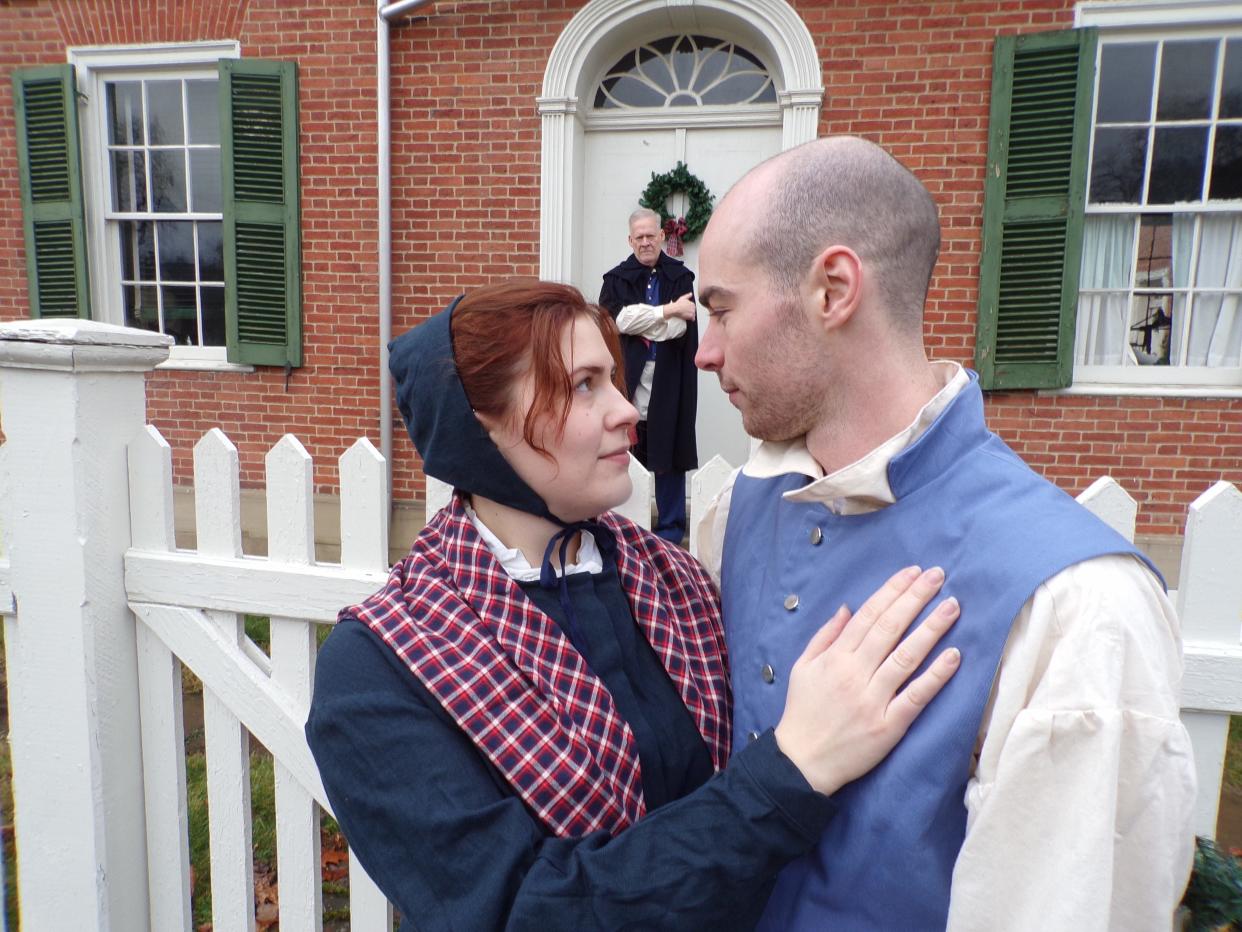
(454, 848)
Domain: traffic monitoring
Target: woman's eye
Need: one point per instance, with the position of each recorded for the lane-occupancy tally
(583, 386)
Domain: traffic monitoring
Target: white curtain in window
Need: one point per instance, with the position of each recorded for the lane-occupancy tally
(1107, 263)
(1216, 321)
(1183, 256)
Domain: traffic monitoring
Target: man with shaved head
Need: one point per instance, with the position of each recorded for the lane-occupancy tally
(1050, 786)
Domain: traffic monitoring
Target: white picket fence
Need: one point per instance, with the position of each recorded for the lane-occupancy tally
(86, 547)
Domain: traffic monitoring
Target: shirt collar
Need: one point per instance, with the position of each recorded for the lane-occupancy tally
(518, 568)
(861, 486)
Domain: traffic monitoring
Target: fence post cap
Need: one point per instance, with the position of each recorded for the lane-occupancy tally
(80, 345)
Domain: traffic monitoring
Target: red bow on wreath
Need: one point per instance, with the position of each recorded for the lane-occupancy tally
(674, 230)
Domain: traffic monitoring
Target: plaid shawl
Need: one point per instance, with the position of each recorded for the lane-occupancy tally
(513, 682)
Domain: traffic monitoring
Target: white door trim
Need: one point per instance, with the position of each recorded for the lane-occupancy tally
(769, 28)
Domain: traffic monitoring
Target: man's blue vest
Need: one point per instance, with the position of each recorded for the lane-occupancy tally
(965, 502)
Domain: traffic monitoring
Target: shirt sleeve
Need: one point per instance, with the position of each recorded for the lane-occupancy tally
(1079, 809)
(647, 320)
(711, 529)
(453, 848)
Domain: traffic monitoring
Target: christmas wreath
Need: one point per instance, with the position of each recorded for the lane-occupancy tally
(679, 229)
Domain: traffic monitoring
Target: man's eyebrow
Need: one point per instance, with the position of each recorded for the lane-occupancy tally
(714, 293)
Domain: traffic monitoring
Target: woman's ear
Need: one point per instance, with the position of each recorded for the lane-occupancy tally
(499, 429)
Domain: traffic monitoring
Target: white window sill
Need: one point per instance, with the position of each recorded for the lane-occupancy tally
(204, 365)
(1150, 391)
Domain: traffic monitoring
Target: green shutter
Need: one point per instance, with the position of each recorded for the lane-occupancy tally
(51, 180)
(1033, 208)
(262, 235)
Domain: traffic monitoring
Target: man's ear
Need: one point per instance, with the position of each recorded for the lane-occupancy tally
(836, 281)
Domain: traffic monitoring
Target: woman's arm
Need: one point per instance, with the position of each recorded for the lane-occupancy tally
(447, 841)
(444, 838)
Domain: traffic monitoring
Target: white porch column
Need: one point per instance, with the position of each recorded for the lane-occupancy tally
(557, 196)
(799, 116)
(72, 396)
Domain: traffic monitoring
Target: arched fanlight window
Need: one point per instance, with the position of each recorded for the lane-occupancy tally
(685, 71)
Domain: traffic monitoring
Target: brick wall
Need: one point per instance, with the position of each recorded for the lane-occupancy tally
(466, 148)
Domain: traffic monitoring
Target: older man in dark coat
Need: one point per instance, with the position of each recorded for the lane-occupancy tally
(651, 296)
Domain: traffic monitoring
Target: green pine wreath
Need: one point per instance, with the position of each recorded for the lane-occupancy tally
(655, 197)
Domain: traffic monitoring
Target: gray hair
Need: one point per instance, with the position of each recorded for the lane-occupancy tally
(848, 191)
(644, 213)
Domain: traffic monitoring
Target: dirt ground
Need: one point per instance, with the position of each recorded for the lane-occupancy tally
(1229, 821)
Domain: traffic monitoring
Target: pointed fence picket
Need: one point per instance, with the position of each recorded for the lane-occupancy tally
(291, 539)
(1209, 605)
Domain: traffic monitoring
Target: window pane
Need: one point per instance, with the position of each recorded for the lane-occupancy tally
(1102, 322)
(181, 314)
(736, 89)
(203, 101)
(1117, 165)
(656, 71)
(634, 93)
(1177, 159)
(176, 249)
(141, 309)
(1220, 252)
(1216, 331)
(1187, 80)
(213, 316)
(137, 250)
(713, 66)
(129, 182)
(164, 113)
(124, 113)
(1231, 86)
(683, 61)
(210, 251)
(205, 180)
(168, 181)
(1151, 320)
(1153, 260)
(1226, 164)
(1126, 78)
(1107, 251)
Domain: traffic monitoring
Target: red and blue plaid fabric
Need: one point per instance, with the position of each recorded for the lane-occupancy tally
(513, 682)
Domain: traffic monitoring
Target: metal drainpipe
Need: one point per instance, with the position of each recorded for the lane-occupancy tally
(387, 12)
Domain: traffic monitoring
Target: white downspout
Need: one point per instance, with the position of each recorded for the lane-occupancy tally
(387, 13)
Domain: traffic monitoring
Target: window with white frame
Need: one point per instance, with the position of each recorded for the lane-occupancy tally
(1160, 300)
(685, 71)
(152, 182)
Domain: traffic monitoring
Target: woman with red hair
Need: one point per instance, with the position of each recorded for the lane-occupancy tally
(529, 725)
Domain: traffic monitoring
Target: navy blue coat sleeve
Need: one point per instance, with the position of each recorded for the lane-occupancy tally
(444, 837)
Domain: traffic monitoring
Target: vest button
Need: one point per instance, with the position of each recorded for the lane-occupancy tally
(817, 536)
(791, 602)
(753, 735)
(768, 674)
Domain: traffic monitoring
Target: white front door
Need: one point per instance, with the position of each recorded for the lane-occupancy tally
(618, 165)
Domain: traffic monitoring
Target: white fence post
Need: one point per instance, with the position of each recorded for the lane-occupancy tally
(1209, 603)
(73, 395)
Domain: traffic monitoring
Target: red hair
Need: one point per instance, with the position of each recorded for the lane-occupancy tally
(502, 331)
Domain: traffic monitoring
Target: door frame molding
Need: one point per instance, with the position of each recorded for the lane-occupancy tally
(603, 30)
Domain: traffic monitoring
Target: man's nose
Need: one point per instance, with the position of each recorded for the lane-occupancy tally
(709, 356)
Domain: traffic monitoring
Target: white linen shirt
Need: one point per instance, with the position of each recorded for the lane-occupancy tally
(649, 322)
(1082, 783)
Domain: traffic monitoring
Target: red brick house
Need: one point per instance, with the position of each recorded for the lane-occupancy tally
(160, 167)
